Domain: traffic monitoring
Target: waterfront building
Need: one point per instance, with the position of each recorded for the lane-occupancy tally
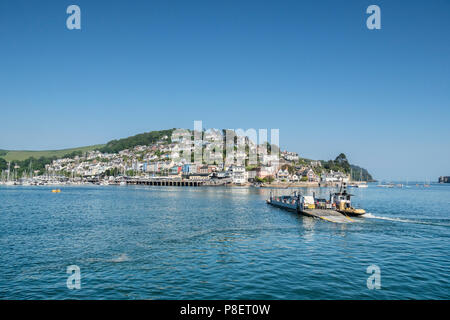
(251, 175)
(175, 170)
(283, 174)
(237, 174)
(333, 176)
(203, 169)
(270, 159)
(154, 167)
(189, 168)
(309, 174)
(264, 171)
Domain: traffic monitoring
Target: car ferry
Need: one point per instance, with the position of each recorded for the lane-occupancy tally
(308, 206)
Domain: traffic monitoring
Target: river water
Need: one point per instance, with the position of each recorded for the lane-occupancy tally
(142, 242)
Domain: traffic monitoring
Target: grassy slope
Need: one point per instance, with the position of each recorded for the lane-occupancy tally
(24, 154)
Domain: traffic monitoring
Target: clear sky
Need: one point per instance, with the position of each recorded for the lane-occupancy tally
(309, 68)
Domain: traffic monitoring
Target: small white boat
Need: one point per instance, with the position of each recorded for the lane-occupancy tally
(363, 185)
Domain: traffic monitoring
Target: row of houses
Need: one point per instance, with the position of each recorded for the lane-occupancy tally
(301, 174)
(236, 174)
(165, 158)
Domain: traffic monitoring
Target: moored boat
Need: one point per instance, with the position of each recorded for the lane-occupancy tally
(363, 185)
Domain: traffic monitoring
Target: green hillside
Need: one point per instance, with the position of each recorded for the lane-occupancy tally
(110, 147)
(146, 138)
(38, 159)
(20, 155)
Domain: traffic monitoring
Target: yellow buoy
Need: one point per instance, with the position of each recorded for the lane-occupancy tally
(56, 190)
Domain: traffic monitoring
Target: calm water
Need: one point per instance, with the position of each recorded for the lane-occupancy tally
(219, 243)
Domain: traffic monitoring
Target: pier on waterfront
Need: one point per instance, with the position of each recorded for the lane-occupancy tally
(169, 183)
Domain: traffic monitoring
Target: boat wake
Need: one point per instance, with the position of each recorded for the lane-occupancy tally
(122, 258)
(371, 216)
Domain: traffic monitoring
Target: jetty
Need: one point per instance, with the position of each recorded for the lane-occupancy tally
(166, 182)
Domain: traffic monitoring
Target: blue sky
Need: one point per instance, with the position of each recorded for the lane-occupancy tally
(309, 68)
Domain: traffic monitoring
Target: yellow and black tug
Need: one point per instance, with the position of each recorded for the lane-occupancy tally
(343, 203)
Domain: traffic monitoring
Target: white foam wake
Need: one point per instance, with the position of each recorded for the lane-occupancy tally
(371, 216)
(122, 258)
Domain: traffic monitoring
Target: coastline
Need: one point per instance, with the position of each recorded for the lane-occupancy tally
(189, 183)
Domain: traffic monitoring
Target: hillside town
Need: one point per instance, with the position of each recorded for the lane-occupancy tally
(164, 161)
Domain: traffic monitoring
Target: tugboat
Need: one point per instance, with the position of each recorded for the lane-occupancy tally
(342, 201)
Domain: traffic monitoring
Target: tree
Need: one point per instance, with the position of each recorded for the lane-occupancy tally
(146, 138)
(269, 179)
(341, 158)
(3, 164)
(291, 169)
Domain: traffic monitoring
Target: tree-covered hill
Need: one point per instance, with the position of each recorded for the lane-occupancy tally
(146, 138)
(35, 163)
(20, 155)
(38, 159)
(342, 164)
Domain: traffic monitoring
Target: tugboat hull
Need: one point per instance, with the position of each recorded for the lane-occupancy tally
(353, 212)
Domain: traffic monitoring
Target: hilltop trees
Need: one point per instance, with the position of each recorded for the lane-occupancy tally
(34, 163)
(147, 138)
(339, 164)
(3, 164)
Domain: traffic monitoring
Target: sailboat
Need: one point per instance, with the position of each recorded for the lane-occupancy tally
(9, 182)
(352, 184)
(407, 184)
(361, 184)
